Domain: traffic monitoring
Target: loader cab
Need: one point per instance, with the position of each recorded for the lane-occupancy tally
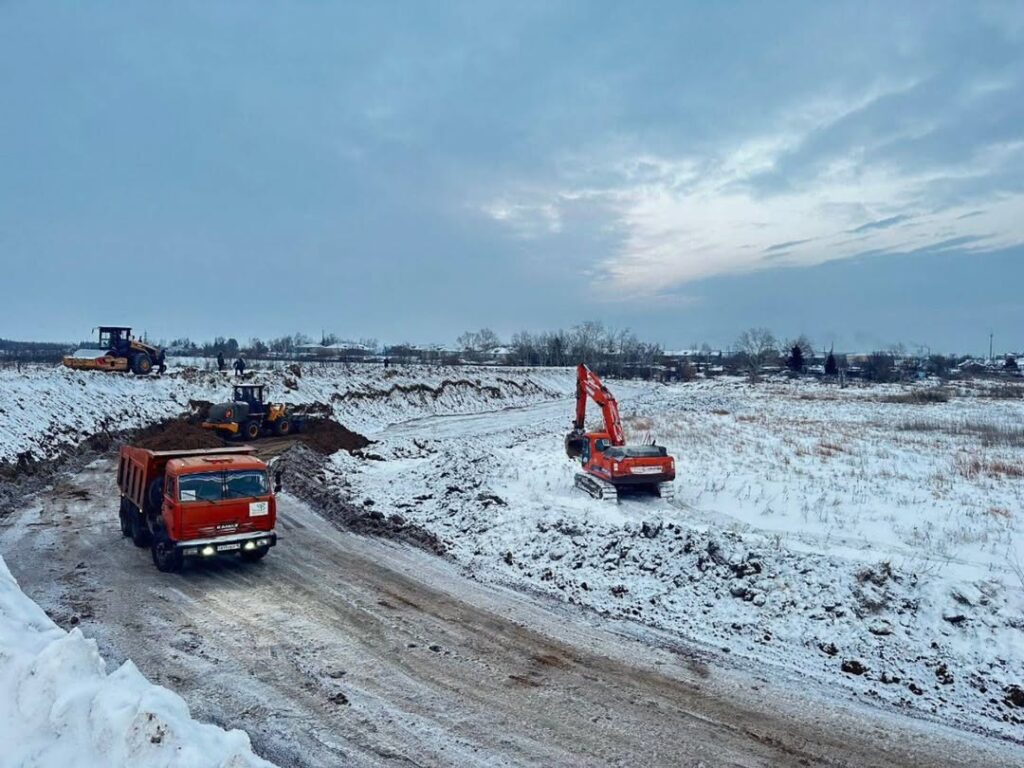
(114, 337)
(251, 394)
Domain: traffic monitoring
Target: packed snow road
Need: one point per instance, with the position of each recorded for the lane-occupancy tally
(344, 650)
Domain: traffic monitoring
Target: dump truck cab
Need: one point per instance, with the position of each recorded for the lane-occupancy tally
(197, 503)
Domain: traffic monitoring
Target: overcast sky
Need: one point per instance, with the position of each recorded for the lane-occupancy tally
(411, 170)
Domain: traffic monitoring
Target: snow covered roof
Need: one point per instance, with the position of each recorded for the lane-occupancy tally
(338, 345)
(693, 352)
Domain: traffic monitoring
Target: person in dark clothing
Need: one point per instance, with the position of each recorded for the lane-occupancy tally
(220, 360)
(240, 366)
(386, 362)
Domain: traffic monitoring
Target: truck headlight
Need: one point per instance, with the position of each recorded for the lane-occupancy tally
(249, 545)
(207, 550)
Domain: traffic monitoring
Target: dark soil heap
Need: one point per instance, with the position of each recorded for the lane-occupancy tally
(326, 436)
(176, 434)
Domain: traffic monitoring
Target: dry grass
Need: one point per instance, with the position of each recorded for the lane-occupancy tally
(919, 397)
(972, 466)
(827, 450)
(1003, 435)
(1004, 392)
(640, 423)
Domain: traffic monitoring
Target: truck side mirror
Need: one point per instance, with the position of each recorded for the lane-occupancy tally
(277, 481)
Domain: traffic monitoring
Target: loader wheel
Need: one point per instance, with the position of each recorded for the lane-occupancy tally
(140, 533)
(251, 430)
(282, 427)
(166, 557)
(141, 364)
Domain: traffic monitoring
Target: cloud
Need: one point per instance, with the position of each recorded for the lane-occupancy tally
(794, 193)
(786, 246)
(881, 224)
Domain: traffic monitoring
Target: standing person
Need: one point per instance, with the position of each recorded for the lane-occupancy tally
(220, 361)
(386, 362)
(240, 366)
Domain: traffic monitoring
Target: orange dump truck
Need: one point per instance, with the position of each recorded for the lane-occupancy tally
(196, 503)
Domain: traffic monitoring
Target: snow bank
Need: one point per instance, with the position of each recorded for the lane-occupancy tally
(60, 707)
(47, 410)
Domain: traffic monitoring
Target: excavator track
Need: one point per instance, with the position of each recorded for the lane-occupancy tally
(599, 489)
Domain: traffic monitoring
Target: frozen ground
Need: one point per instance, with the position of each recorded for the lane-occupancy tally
(60, 707)
(825, 545)
(340, 649)
(843, 534)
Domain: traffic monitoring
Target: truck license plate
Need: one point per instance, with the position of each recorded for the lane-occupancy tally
(258, 508)
(646, 470)
(228, 547)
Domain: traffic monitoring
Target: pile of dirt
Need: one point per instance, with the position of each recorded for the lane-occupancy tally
(303, 473)
(176, 434)
(326, 436)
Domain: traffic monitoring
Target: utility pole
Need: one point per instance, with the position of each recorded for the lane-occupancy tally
(990, 335)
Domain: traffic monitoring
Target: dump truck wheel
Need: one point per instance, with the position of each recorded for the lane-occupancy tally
(140, 533)
(283, 427)
(126, 522)
(141, 364)
(166, 557)
(252, 555)
(251, 430)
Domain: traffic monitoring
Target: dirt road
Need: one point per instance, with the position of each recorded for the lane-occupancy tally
(344, 650)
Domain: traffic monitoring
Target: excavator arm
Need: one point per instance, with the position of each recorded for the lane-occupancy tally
(589, 387)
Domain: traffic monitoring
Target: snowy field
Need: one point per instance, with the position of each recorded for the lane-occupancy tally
(860, 536)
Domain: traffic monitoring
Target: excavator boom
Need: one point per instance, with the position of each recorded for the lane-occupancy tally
(589, 386)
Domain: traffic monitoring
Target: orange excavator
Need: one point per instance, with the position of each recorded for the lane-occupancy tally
(611, 467)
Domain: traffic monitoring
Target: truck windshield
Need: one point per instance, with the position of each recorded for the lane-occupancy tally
(217, 486)
(242, 485)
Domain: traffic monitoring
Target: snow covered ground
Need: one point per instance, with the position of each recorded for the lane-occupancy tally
(60, 707)
(45, 410)
(866, 537)
(853, 535)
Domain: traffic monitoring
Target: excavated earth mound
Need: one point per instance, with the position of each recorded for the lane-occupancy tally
(176, 434)
(326, 436)
(321, 434)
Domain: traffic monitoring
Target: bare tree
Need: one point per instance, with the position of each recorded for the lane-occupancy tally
(757, 347)
(483, 340)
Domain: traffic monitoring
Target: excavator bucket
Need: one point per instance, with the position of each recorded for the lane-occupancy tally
(574, 442)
